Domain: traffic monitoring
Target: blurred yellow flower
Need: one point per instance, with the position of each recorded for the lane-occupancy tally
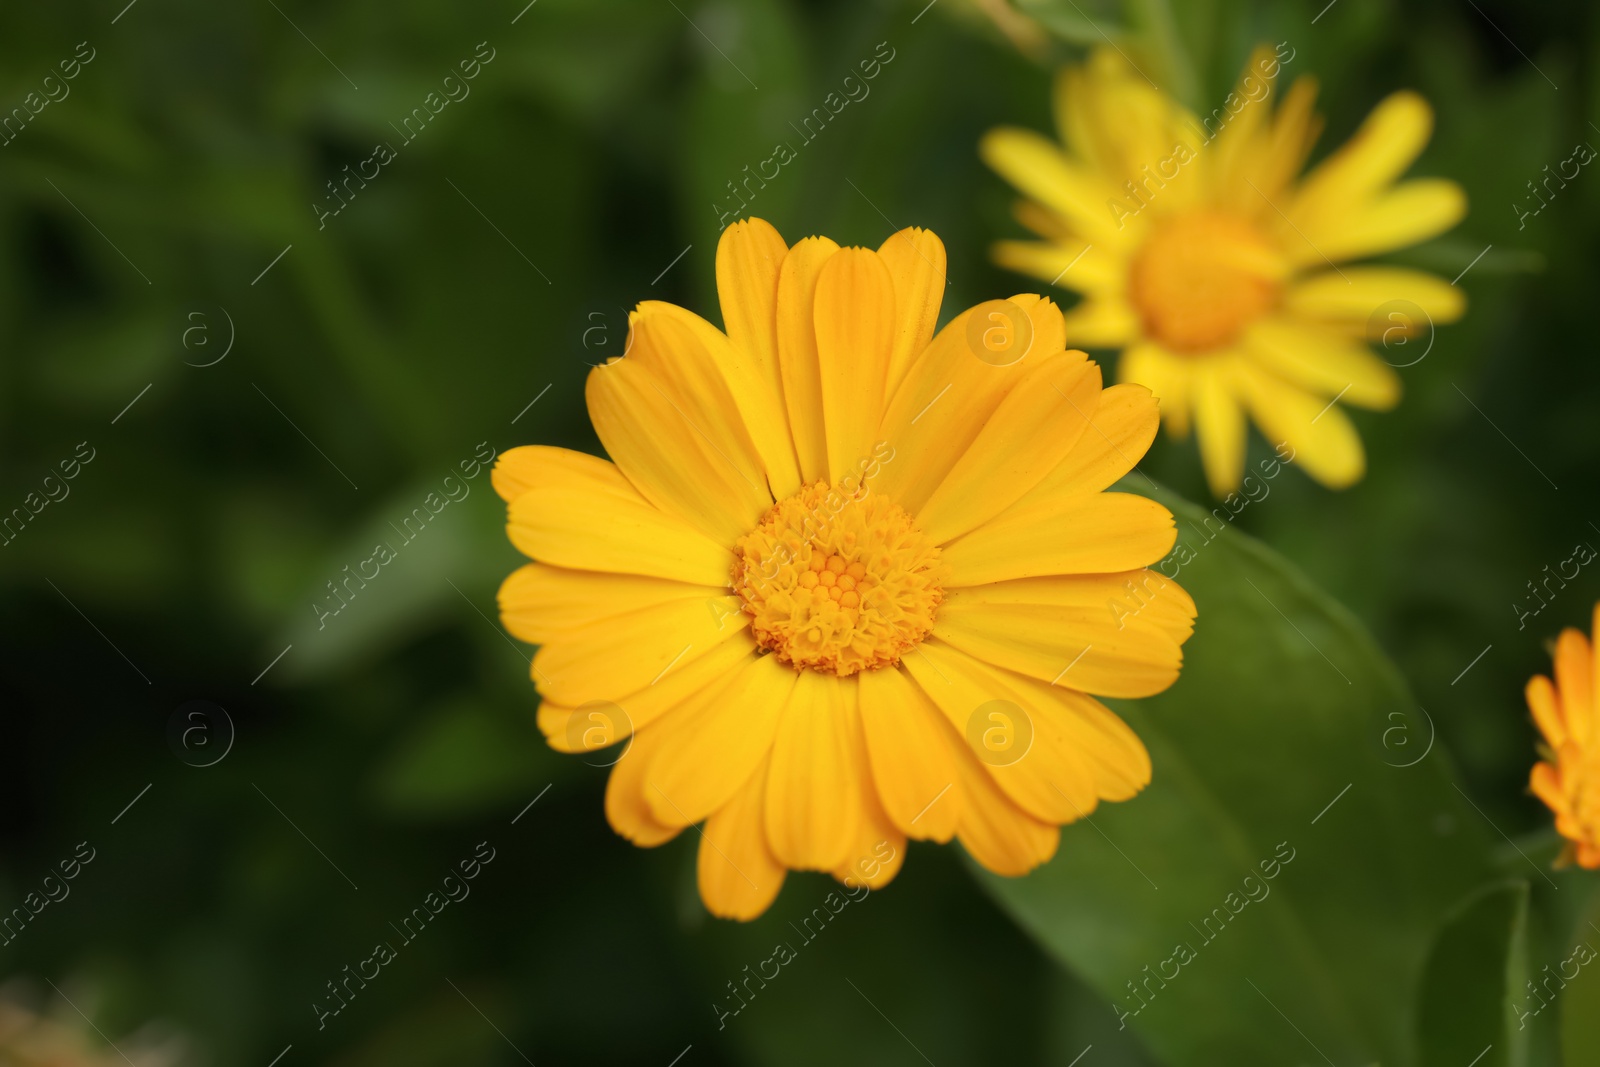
(1567, 712)
(845, 582)
(1206, 257)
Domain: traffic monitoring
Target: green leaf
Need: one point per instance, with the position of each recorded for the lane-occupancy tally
(1156, 25)
(419, 555)
(1474, 979)
(731, 165)
(1071, 22)
(1580, 1005)
(461, 759)
(1272, 895)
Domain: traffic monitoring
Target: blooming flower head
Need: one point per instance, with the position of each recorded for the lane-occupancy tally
(1567, 712)
(1204, 254)
(844, 582)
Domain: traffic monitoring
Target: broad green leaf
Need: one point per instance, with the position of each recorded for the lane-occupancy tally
(1474, 983)
(1560, 948)
(1272, 895)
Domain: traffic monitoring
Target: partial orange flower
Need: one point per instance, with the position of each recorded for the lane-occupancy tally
(1567, 712)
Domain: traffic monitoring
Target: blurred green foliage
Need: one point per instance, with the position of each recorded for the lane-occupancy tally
(488, 265)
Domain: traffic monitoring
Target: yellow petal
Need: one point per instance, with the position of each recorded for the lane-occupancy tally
(1594, 692)
(1145, 593)
(1038, 168)
(627, 810)
(1118, 759)
(949, 395)
(754, 391)
(1090, 634)
(813, 786)
(1324, 441)
(1295, 129)
(1114, 118)
(594, 527)
(1219, 424)
(1022, 748)
(701, 375)
(1323, 360)
(1411, 212)
(1048, 324)
(539, 602)
(912, 764)
(1121, 427)
(878, 852)
(749, 257)
(1050, 749)
(797, 353)
(1164, 601)
(629, 652)
(1169, 377)
(1354, 294)
(1235, 158)
(1068, 263)
(1102, 322)
(738, 875)
(1098, 534)
(613, 718)
(683, 459)
(855, 324)
(1545, 783)
(1075, 125)
(1574, 677)
(1028, 435)
(712, 747)
(999, 835)
(916, 262)
(1387, 143)
(1546, 709)
(1042, 221)
(529, 466)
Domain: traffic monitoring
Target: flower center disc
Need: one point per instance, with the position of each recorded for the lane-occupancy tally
(1201, 279)
(837, 581)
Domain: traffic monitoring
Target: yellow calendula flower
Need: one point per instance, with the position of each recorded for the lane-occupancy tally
(1204, 254)
(844, 582)
(1567, 712)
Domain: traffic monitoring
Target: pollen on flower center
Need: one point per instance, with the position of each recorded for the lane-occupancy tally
(1201, 278)
(838, 581)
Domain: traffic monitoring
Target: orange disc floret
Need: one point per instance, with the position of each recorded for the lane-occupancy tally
(838, 581)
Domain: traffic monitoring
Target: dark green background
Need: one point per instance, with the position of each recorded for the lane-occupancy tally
(412, 328)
